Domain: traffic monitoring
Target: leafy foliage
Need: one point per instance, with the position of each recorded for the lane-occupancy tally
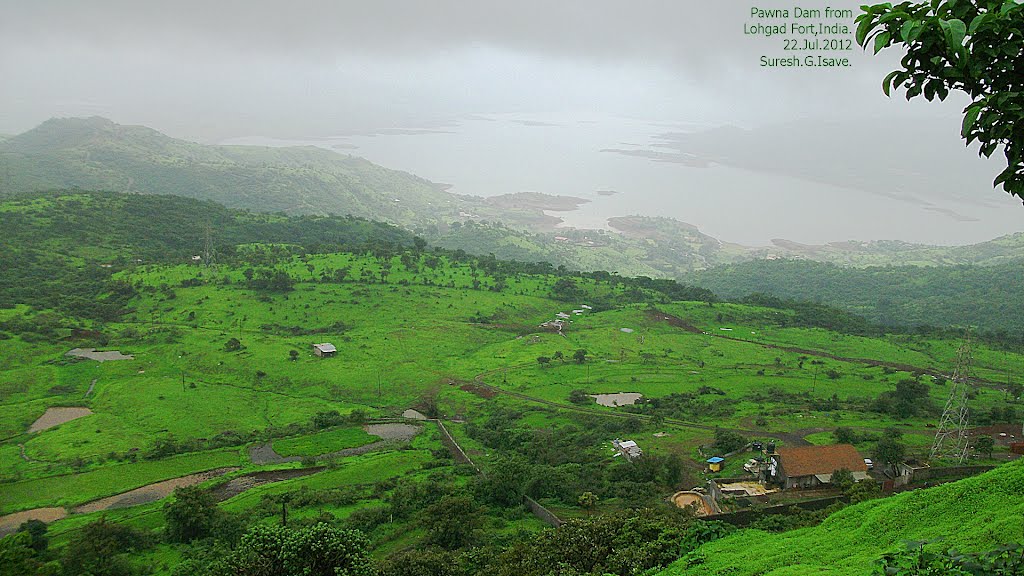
(190, 515)
(99, 550)
(620, 544)
(924, 297)
(917, 560)
(970, 46)
(320, 550)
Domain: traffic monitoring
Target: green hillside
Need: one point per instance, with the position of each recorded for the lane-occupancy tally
(972, 515)
(60, 249)
(97, 154)
(985, 297)
(1004, 249)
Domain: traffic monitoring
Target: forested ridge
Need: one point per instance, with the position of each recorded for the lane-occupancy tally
(986, 297)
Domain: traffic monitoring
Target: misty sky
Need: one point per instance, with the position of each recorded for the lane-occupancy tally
(213, 71)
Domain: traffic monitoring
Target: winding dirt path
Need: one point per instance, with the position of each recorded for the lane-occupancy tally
(10, 522)
(236, 486)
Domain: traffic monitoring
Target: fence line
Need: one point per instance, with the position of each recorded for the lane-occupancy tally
(538, 510)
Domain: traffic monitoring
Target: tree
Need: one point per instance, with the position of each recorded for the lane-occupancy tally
(863, 491)
(293, 355)
(17, 556)
(971, 46)
(232, 345)
(37, 530)
(97, 550)
(728, 441)
(890, 451)
(566, 290)
(842, 479)
(542, 360)
(844, 435)
(320, 550)
(580, 356)
(452, 522)
(579, 396)
(558, 356)
(985, 445)
(587, 501)
(190, 515)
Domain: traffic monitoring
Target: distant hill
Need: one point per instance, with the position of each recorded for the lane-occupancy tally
(897, 253)
(97, 154)
(988, 297)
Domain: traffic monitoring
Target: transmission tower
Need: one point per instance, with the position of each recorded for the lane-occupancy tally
(208, 253)
(951, 438)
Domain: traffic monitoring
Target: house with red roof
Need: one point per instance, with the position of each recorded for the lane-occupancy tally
(812, 466)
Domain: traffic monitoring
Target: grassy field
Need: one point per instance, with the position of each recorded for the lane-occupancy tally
(74, 489)
(323, 442)
(219, 363)
(184, 383)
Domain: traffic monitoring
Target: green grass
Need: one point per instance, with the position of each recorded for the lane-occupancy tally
(73, 489)
(414, 339)
(323, 442)
(971, 515)
(352, 471)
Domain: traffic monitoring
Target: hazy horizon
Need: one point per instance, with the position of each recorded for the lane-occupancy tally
(411, 86)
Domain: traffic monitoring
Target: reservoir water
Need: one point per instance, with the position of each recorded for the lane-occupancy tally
(736, 185)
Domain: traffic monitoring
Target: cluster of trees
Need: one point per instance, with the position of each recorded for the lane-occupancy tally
(930, 300)
(909, 399)
(100, 548)
(565, 461)
(701, 405)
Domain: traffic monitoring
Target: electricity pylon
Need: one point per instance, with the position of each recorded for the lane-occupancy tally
(951, 439)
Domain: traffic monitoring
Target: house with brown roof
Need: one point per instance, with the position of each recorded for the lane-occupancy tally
(811, 466)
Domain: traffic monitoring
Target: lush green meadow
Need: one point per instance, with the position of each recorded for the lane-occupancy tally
(323, 442)
(223, 364)
(72, 489)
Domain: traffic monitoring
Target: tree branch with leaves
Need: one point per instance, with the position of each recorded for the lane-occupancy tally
(971, 46)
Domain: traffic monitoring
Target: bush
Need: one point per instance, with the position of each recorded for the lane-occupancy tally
(728, 441)
(192, 514)
(579, 396)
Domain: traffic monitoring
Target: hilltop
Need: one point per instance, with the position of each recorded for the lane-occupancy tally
(98, 154)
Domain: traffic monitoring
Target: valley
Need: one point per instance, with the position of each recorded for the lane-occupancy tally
(220, 388)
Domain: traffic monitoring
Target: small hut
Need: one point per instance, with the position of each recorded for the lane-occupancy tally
(325, 350)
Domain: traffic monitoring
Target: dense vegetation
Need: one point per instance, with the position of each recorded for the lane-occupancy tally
(902, 296)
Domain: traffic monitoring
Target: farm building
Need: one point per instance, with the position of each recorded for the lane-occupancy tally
(628, 448)
(811, 466)
(556, 325)
(325, 350)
